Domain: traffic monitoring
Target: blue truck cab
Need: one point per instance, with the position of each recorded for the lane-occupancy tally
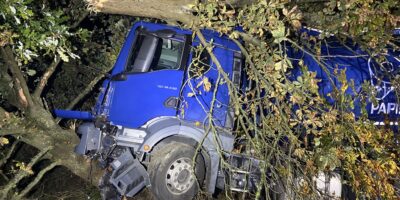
(155, 98)
(149, 121)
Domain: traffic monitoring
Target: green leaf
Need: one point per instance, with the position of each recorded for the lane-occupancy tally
(31, 72)
(13, 10)
(279, 34)
(64, 57)
(17, 20)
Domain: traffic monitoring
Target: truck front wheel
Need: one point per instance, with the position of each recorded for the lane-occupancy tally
(173, 174)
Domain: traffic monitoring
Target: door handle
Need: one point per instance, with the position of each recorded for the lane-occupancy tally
(171, 102)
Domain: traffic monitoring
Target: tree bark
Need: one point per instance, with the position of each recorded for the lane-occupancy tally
(63, 143)
(46, 76)
(26, 102)
(174, 10)
(169, 10)
(19, 83)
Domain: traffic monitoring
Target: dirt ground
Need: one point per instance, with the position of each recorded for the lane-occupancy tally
(60, 184)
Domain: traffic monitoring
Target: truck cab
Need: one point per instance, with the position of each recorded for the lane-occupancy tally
(154, 76)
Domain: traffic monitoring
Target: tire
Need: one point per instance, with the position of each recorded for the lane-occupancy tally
(170, 172)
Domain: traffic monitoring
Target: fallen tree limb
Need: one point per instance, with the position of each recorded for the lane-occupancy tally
(174, 10)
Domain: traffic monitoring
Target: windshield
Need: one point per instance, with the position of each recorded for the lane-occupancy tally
(151, 53)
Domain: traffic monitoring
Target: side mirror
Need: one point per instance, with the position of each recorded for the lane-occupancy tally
(119, 77)
(165, 33)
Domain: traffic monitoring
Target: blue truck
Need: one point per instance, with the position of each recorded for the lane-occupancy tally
(149, 118)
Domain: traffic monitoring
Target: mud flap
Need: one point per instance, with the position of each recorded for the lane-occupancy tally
(129, 176)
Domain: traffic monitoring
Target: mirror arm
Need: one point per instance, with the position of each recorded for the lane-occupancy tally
(119, 77)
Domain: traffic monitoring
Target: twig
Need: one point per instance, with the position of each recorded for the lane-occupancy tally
(40, 175)
(9, 154)
(249, 39)
(21, 174)
(46, 76)
(4, 176)
(53, 66)
(39, 156)
(85, 92)
(79, 21)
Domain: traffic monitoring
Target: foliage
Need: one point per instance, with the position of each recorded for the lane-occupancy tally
(370, 22)
(37, 29)
(4, 141)
(41, 31)
(97, 58)
(319, 136)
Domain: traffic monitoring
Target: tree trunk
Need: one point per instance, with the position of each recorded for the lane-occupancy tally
(169, 10)
(19, 83)
(174, 10)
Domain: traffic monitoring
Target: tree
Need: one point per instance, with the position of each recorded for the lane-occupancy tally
(37, 37)
(267, 25)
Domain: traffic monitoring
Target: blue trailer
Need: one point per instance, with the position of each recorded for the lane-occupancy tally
(149, 117)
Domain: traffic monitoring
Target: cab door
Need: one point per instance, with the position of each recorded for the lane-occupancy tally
(197, 98)
(149, 87)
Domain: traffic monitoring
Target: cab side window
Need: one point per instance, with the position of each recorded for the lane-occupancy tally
(151, 53)
(168, 55)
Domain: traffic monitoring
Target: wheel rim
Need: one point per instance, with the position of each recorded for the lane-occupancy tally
(179, 177)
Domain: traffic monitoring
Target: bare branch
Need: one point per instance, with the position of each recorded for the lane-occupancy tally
(46, 76)
(248, 38)
(39, 177)
(39, 156)
(9, 153)
(79, 21)
(4, 176)
(21, 174)
(12, 132)
(53, 66)
(85, 92)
